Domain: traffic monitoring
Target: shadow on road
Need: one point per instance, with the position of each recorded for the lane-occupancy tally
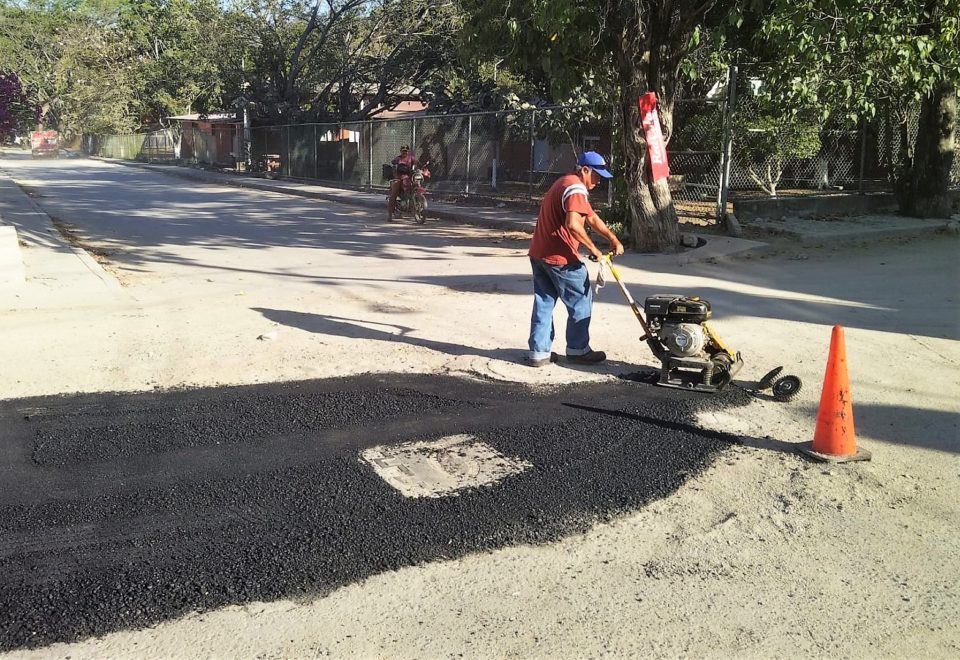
(361, 329)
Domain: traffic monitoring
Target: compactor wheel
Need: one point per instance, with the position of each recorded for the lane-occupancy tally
(786, 388)
(766, 382)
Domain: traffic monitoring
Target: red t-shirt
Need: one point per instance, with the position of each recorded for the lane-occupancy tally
(407, 162)
(552, 242)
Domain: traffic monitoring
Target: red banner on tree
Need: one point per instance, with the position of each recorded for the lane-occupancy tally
(656, 149)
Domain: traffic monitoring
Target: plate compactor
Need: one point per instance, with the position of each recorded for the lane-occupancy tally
(691, 353)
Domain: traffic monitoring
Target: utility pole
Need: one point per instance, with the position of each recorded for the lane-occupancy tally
(247, 136)
(726, 149)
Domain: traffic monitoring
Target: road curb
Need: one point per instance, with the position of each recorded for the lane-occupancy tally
(89, 262)
(11, 261)
(865, 235)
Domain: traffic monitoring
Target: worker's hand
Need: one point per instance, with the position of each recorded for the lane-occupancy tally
(617, 248)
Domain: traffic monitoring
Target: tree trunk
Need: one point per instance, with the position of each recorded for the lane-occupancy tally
(653, 218)
(924, 190)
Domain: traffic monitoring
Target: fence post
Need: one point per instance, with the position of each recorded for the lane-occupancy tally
(469, 140)
(726, 155)
(343, 163)
(370, 155)
(863, 152)
(533, 120)
(316, 161)
(287, 159)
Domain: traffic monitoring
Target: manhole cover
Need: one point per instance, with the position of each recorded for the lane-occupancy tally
(439, 468)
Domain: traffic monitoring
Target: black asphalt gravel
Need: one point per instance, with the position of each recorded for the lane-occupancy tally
(120, 511)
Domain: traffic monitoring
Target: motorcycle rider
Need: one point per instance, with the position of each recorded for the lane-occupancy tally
(402, 166)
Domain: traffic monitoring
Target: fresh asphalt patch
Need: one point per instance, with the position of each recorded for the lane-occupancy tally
(123, 510)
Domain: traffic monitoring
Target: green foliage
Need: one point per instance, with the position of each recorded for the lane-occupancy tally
(188, 56)
(763, 144)
(562, 47)
(114, 65)
(764, 137)
(853, 56)
(776, 137)
(347, 59)
(120, 64)
(73, 62)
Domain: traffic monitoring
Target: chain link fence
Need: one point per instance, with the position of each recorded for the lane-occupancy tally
(889, 136)
(721, 145)
(510, 156)
(191, 146)
(772, 152)
(696, 155)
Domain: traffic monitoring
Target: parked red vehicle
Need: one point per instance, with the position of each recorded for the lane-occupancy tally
(45, 144)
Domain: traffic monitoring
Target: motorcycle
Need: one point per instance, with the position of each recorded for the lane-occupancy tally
(412, 197)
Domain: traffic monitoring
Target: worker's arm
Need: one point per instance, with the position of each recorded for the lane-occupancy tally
(577, 225)
(596, 224)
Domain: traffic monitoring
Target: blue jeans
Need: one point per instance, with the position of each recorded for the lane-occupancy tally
(571, 285)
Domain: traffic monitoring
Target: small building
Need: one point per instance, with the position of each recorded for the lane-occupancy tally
(215, 138)
(402, 110)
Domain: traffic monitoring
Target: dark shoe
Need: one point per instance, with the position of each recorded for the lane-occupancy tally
(593, 357)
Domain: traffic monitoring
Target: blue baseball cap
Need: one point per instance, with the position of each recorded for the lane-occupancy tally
(595, 162)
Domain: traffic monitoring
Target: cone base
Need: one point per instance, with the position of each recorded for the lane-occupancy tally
(807, 448)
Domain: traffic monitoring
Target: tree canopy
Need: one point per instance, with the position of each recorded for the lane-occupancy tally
(116, 65)
(339, 60)
(72, 64)
(854, 58)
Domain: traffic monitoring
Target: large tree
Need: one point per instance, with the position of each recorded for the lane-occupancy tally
(73, 62)
(341, 60)
(856, 57)
(189, 55)
(608, 51)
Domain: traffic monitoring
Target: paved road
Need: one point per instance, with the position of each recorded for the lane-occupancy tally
(121, 510)
(124, 510)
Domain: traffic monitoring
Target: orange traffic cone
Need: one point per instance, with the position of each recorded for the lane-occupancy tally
(834, 439)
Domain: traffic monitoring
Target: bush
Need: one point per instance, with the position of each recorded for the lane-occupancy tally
(764, 143)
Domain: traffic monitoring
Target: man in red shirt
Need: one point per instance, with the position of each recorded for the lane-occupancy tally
(558, 274)
(402, 165)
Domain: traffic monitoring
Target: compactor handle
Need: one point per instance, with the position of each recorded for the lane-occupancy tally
(608, 257)
(637, 311)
